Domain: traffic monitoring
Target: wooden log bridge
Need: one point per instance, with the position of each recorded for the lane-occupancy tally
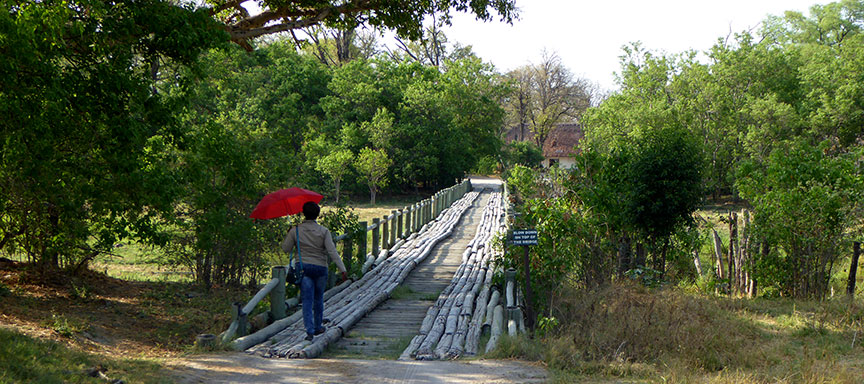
(352, 311)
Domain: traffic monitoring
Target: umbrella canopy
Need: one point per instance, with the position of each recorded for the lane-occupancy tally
(284, 202)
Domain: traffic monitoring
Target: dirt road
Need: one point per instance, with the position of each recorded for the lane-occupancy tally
(244, 368)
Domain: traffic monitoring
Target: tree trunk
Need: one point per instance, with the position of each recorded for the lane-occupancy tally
(372, 193)
(624, 255)
(733, 238)
(718, 253)
(639, 261)
(337, 181)
(853, 269)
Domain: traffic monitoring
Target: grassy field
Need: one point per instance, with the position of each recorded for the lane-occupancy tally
(628, 333)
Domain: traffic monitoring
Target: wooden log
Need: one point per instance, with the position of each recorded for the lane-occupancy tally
(493, 302)
(260, 295)
(497, 328)
(277, 293)
(510, 294)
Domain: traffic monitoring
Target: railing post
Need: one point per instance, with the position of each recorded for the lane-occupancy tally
(393, 228)
(376, 236)
(347, 247)
(510, 299)
(408, 215)
(242, 319)
(401, 233)
(277, 295)
(362, 242)
(385, 234)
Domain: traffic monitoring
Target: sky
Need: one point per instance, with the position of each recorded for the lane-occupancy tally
(588, 35)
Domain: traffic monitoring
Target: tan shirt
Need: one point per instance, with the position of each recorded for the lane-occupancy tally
(315, 244)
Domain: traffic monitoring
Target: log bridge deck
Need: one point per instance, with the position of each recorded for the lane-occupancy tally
(386, 331)
(380, 313)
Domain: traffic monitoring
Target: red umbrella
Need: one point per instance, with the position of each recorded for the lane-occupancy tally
(284, 202)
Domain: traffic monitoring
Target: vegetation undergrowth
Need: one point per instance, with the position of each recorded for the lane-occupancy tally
(24, 359)
(631, 332)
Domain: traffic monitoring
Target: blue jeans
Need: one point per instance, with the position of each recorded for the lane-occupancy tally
(312, 290)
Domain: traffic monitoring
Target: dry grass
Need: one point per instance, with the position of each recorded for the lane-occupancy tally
(632, 334)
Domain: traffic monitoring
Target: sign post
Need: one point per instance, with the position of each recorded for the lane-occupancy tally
(525, 238)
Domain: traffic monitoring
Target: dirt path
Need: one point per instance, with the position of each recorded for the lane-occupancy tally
(243, 368)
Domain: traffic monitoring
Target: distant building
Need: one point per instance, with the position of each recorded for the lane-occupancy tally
(560, 146)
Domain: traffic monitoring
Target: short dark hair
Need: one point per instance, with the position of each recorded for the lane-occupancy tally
(311, 210)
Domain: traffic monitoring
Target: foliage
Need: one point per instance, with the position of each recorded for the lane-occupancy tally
(340, 220)
(803, 202)
(486, 166)
(405, 18)
(521, 181)
(434, 125)
(524, 153)
(336, 164)
(571, 248)
(86, 126)
(28, 360)
(728, 122)
(372, 165)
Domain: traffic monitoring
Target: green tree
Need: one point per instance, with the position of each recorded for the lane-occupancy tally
(524, 153)
(372, 165)
(803, 203)
(335, 165)
(88, 122)
(406, 18)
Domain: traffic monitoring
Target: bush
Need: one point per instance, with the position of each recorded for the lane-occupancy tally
(523, 153)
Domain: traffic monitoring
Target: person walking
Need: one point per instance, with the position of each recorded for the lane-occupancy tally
(315, 244)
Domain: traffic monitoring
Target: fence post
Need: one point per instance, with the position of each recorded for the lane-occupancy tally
(376, 236)
(406, 225)
(853, 269)
(362, 242)
(242, 319)
(393, 228)
(400, 232)
(277, 295)
(347, 247)
(510, 300)
(385, 234)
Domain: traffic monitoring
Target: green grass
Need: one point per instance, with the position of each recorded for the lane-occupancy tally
(27, 360)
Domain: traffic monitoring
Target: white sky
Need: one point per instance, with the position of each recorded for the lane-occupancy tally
(588, 35)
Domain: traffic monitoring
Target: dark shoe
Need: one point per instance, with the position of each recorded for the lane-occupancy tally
(325, 321)
(320, 330)
(309, 337)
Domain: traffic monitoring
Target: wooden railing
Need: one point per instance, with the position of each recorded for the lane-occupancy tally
(388, 234)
